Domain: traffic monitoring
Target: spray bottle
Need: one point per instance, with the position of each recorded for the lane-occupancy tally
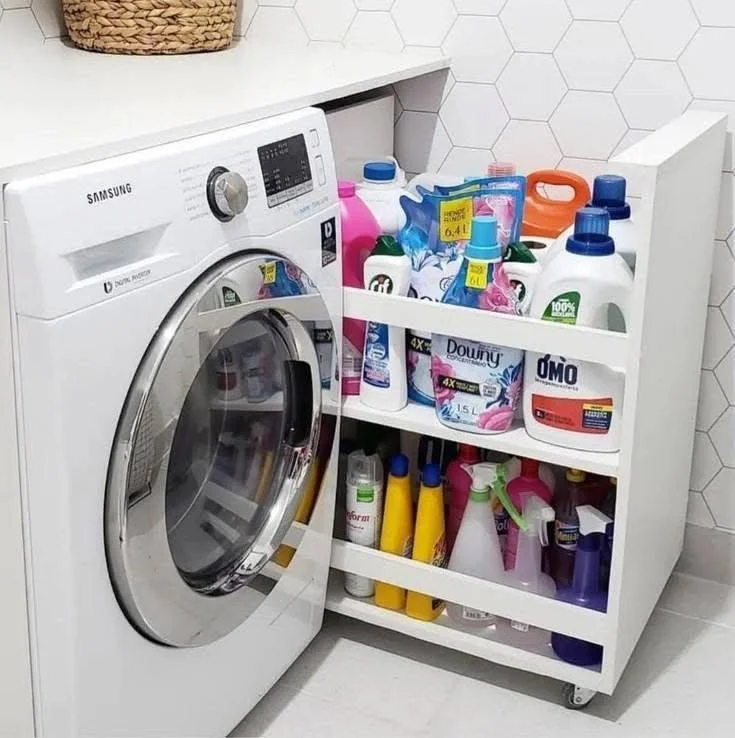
(477, 548)
(585, 590)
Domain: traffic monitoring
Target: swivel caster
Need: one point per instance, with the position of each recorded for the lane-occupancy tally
(576, 698)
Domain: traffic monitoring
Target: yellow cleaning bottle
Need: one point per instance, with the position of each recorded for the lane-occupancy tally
(429, 545)
(396, 537)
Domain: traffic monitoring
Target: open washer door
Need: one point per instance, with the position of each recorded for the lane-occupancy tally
(213, 449)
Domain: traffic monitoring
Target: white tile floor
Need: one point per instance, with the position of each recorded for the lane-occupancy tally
(357, 680)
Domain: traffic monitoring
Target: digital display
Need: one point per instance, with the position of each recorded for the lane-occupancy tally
(286, 170)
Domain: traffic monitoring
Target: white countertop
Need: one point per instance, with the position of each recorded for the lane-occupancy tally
(60, 106)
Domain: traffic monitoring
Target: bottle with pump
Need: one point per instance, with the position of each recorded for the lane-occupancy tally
(396, 536)
(477, 548)
(527, 574)
(459, 483)
(384, 383)
(585, 590)
(429, 544)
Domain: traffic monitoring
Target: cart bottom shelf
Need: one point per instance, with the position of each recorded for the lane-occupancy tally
(500, 644)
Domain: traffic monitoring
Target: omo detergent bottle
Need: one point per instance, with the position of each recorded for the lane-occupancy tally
(477, 386)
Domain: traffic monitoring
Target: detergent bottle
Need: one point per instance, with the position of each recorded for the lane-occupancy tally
(429, 543)
(528, 482)
(527, 573)
(396, 536)
(477, 386)
(360, 231)
(585, 590)
(567, 402)
(459, 483)
(383, 184)
(477, 548)
(545, 218)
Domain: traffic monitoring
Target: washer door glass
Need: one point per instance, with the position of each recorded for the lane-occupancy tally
(214, 448)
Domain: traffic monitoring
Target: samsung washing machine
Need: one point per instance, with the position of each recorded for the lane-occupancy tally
(176, 313)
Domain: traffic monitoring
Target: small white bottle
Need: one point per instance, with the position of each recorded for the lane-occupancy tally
(383, 184)
(384, 384)
(364, 507)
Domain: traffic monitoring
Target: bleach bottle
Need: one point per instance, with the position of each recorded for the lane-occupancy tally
(383, 184)
(567, 402)
(477, 386)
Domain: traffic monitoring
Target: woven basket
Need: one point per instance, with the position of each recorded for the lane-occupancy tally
(150, 26)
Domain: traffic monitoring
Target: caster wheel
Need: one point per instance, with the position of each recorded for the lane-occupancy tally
(576, 698)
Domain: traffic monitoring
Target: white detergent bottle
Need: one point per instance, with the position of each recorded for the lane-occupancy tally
(476, 551)
(384, 384)
(527, 573)
(383, 184)
(567, 402)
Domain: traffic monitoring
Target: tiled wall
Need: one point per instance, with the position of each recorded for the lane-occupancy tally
(543, 83)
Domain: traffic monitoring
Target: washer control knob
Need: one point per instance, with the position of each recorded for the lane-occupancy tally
(227, 193)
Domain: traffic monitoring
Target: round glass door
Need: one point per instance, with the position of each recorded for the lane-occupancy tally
(214, 448)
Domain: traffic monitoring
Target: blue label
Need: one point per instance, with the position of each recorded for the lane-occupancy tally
(375, 365)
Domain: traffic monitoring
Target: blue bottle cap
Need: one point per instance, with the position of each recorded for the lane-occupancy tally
(379, 171)
(590, 244)
(484, 239)
(608, 191)
(431, 476)
(592, 220)
(399, 465)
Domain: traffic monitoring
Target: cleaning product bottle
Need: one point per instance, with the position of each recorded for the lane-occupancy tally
(429, 543)
(527, 573)
(501, 169)
(364, 507)
(459, 483)
(383, 184)
(477, 386)
(546, 218)
(566, 530)
(396, 535)
(527, 483)
(360, 231)
(568, 402)
(585, 590)
(384, 384)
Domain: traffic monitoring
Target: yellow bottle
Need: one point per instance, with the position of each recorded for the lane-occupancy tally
(396, 536)
(429, 544)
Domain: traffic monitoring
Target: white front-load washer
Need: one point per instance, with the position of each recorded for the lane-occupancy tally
(176, 421)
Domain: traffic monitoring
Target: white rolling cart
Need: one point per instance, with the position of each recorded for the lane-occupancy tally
(676, 172)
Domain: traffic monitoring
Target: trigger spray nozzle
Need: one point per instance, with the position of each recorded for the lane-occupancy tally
(491, 477)
(537, 514)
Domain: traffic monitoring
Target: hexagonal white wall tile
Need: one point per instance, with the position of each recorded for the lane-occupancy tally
(480, 7)
(13, 4)
(474, 115)
(326, 20)
(608, 10)
(529, 144)
(697, 511)
(19, 33)
(717, 339)
(722, 435)
(421, 141)
(425, 93)
(726, 211)
(373, 31)
(531, 86)
(373, 4)
(712, 400)
(588, 124)
(49, 16)
(715, 12)
(279, 25)
(422, 24)
(725, 374)
(705, 462)
(630, 138)
(587, 168)
(464, 162)
(710, 53)
(728, 310)
(593, 55)
(479, 48)
(535, 25)
(723, 274)
(720, 496)
(275, 3)
(245, 14)
(659, 30)
(652, 93)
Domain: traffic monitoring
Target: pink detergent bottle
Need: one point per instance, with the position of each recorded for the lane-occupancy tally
(360, 231)
(528, 483)
(458, 485)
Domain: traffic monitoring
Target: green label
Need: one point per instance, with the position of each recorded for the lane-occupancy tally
(365, 494)
(563, 309)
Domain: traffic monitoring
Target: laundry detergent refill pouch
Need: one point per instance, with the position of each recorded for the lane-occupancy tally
(435, 236)
(478, 385)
